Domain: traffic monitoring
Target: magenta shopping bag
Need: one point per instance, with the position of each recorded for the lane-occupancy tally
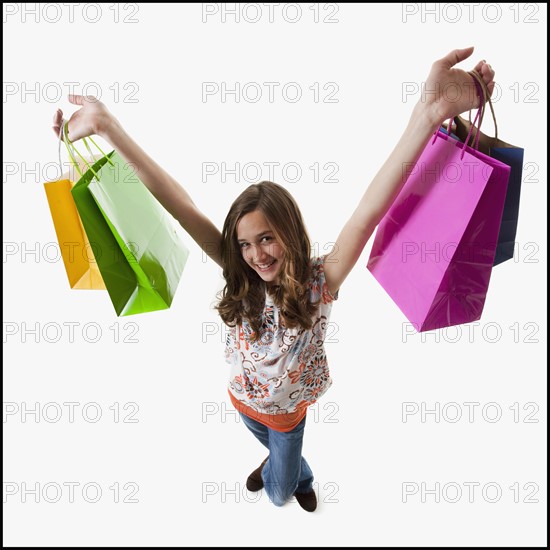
(434, 249)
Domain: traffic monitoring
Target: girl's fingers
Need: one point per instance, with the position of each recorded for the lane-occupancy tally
(487, 72)
(456, 56)
(82, 99)
(76, 99)
(58, 117)
(479, 65)
(57, 121)
(488, 75)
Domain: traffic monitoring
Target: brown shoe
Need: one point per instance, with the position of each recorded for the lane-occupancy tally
(308, 501)
(255, 482)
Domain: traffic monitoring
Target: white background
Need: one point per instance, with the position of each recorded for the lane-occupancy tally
(187, 454)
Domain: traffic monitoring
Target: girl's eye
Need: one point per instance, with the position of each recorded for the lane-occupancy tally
(242, 245)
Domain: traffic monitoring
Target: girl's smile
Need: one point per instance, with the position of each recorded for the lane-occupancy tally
(258, 245)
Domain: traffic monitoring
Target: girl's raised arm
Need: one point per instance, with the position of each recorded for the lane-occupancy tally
(93, 118)
(433, 109)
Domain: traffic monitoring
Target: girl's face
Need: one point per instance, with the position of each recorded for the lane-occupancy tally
(258, 245)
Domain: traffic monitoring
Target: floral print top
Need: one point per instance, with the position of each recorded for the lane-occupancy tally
(286, 369)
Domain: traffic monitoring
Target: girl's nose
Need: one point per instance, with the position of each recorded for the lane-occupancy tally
(257, 255)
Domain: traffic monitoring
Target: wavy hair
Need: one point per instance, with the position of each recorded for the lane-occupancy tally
(243, 296)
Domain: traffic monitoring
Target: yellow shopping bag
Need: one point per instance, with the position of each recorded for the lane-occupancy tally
(76, 250)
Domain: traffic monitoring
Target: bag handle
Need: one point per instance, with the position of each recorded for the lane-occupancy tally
(482, 105)
(480, 92)
(71, 150)
(59, 147)
(480, 82)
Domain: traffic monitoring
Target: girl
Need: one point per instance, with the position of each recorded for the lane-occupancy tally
(277, 300)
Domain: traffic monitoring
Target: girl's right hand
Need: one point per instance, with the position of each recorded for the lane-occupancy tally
(91, 119)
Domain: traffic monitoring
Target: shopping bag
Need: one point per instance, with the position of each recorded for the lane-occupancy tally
(434, 249)
(76, 250)
(140, 255)
(508, 154)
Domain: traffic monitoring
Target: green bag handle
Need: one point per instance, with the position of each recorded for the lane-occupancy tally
(71, 150)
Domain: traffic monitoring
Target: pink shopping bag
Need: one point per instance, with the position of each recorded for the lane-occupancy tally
(434, 249)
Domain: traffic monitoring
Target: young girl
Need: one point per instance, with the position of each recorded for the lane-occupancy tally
(277, 300)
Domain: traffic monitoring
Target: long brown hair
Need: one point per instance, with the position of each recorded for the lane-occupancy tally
(243, 296)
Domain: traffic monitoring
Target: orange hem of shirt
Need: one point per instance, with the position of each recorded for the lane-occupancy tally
(277, 422)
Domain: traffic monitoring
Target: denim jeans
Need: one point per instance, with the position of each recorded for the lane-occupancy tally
(286, 471)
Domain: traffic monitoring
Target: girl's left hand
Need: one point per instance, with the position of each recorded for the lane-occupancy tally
(449, 92)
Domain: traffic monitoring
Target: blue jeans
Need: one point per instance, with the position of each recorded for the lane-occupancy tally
(286, 471)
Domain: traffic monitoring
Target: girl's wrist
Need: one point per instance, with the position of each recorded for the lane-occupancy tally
(426, 115)
(107, 127)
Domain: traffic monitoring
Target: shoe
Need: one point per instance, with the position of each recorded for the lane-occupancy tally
(308, 501)
(255, 482)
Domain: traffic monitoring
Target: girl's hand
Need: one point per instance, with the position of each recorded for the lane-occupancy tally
(91, 119)
(449, 92)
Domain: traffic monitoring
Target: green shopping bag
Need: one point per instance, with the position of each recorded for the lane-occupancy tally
(138, 251)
